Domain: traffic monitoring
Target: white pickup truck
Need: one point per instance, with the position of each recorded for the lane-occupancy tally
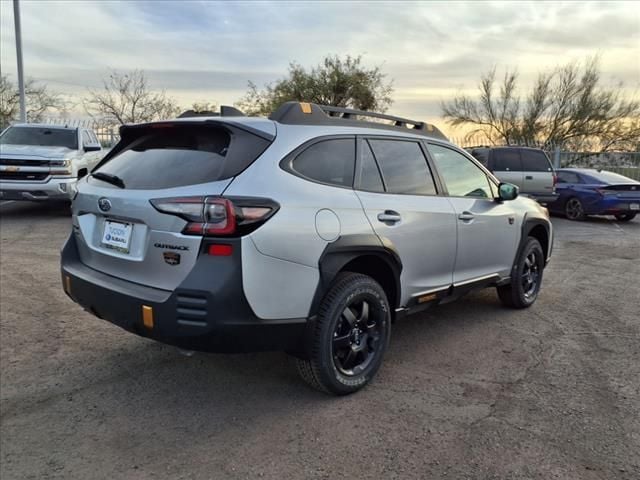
(44, 162)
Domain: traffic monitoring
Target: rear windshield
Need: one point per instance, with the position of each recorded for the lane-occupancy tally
(40, 136)
(179, 155)
(609, 177)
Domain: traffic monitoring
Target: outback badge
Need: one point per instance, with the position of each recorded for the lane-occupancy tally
(171, 258)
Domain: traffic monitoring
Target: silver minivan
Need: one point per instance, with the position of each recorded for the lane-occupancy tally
(528, 168)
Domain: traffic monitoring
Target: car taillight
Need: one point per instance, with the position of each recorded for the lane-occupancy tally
(217, 216)
(555, 179)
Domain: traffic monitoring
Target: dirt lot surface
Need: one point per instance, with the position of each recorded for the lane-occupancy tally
(467, 390)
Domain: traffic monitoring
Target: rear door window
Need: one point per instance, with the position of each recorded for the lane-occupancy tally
(328, 161)
(151, 157)
(404, 167)
(369, 178)
(506, 160)
(568, 177)
(535, 161)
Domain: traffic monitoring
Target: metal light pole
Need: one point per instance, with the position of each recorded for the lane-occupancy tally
(16, 19)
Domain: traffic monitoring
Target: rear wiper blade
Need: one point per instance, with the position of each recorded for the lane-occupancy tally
(107, 177)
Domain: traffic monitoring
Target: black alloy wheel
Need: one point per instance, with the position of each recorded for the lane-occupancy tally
(573, 209)
(348, 337)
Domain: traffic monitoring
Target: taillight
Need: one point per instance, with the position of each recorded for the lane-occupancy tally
(217, 216)
(604, 192)
(555, 179)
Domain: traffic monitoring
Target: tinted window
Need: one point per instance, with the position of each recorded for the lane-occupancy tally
(482, 155)
(568, 177)
(48, 137)
(369, 178)
(506, 159)
(609, 177)
(461, 176)
(171, 157)
(404, 167)
(535, 161)
(328, 161)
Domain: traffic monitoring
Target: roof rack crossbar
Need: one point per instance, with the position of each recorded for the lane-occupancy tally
(349, 113)
(306, 113)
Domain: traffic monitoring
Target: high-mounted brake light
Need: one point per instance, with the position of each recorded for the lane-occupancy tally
(217, 216)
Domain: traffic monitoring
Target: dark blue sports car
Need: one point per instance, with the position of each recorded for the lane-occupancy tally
(595, 192)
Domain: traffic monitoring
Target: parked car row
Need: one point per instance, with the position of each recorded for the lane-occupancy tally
(572, 192)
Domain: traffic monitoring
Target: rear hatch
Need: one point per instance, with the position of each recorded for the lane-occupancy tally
(121, 233)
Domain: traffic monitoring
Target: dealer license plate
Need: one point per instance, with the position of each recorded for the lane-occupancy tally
(117, 236)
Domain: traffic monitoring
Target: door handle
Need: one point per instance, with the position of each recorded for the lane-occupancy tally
(528, 177)
(466, 216)
(389, 216)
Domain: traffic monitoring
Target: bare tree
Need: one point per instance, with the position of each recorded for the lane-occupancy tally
(566, 106)
(127, 98)
(39, 101)
(342, 82)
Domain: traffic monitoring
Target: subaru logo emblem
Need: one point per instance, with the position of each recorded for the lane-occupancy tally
(104, 204)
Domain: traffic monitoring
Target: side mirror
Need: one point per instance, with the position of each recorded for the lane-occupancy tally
(91, 148)
(507, 191)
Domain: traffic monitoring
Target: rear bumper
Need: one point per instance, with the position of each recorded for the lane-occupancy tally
(613, 206)
(55, 188)
(206, 312)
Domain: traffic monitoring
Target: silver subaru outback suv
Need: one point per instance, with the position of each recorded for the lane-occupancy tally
(310, 231)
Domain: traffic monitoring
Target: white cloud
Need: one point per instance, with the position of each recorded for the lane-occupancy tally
(208, 50)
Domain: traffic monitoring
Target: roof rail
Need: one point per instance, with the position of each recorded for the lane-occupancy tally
(225, 111)
(302, 113)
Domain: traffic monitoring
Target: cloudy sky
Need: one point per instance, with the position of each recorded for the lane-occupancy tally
(207, 51)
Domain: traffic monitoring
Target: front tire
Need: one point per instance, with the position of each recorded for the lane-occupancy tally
(526, 277)
(350, 336)
(625, 217)
(574, 210)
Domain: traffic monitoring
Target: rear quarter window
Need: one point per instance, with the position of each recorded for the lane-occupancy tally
(535, 161)
(330, 161)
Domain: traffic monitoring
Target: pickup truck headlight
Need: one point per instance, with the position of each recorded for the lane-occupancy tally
(61, 167)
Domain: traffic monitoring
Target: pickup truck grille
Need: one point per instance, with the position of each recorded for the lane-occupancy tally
(25, 176)
(24, 163)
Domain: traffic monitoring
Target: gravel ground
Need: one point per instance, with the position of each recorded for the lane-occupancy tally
(467, 390)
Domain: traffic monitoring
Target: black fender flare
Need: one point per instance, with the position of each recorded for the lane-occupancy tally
(529, 222)
(347, 248)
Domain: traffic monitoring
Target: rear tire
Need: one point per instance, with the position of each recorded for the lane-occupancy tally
(573, 209)
(526, 277)
(350, 336)
(625, 217)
